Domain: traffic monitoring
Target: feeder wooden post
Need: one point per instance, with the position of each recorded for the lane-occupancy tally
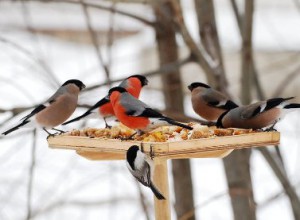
(160, 178)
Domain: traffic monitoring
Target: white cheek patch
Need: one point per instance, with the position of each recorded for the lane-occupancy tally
(139, 160)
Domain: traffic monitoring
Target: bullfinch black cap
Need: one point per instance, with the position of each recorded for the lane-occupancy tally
(118, 89)
(77, 82)
(197, 84)
(143, 79)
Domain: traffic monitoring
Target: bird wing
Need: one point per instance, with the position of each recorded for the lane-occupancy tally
(218, 100)
(124, 84)
(252, 110)
(137, 108)
(33, 112)
(59, 92)
(262, 106)
(143, 175)
(62, 90)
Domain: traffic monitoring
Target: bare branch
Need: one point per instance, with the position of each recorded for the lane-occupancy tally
(275, 197)
(31, 176)
(95, 42)
(240, 21)
(110, 35)
(39, 62)
(200, 55)
(286, 185)
(50, 75)
(143, 201)
(288, 79)
(133, 1)
(191, 213)
(237, 15)
(81, 204)
(102, 7)
(210, 39)
(163, 70)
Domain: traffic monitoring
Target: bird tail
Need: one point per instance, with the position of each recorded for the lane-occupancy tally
(89, 111)
(172, 122)
(156, 192)
(78, 118)
(230, 105)
(292, 105)
(276, 102)
(16, 127)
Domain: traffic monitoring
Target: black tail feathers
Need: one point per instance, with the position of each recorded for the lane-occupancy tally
(89, 111)
(272, 103)
(292, 105)
(230, 105)
(78, 118)
(172, 122)
(16, 127)
(156, 192)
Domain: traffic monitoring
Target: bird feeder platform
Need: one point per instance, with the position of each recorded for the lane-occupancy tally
(160, 152)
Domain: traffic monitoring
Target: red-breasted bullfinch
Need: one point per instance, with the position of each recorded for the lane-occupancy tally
(141, 167)
(137, 115)
(103, 108)
(209, 103)
(58, 108)
(259, 115)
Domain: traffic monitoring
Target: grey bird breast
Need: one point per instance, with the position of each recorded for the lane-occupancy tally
(132, 104)
(58, 111)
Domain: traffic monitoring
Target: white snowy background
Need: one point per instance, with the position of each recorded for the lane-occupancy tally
(67, 186)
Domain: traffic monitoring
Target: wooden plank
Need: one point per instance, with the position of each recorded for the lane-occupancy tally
(160, 178)
(204, 154)
(95, 155)
(221, 143)
(205, 147)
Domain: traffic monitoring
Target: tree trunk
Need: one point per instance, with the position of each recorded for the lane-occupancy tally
(210, 39)
(172, 89)
(239, 182)
(237, 164)
(247, 76)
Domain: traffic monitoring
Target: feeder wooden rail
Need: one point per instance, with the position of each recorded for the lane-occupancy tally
(108, 149)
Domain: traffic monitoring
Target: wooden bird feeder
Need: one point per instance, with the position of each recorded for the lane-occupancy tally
(215, 147)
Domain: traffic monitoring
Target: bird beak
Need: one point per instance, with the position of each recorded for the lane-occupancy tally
(146, 82)
(190, 88)
(83, 86)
